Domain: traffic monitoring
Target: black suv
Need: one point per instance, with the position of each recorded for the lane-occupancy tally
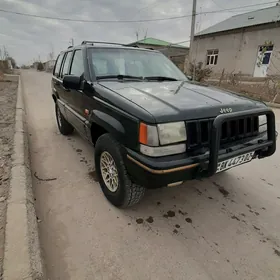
(150, 125)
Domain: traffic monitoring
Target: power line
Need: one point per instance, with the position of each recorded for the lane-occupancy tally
(241, 7)
(139, 11)
(173, 44)
(186, 41)
(128, 21)
(243, 11)
(91, 21)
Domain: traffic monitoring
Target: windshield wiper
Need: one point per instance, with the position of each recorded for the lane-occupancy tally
(160, 78)
(119, 77)
(149, 78)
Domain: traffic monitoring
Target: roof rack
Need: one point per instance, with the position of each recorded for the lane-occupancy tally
(96, 42)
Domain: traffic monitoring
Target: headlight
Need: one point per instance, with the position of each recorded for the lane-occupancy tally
(155, 140)
(172, 133)
(262, 123)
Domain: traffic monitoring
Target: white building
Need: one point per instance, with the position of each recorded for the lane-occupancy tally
(248, 44)
(49, 65)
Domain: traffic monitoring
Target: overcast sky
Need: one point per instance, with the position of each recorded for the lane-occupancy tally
(27, 38)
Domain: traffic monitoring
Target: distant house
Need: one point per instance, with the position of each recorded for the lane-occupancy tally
(6, 65)
(175, 52)
(49, 65)
(10, 65)
(35, 64)
(248, 44)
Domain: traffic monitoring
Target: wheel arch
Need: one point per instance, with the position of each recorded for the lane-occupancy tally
(103, 123)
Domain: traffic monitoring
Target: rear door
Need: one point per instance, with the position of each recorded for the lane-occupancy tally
(57, 83)
(77, 105)
(66, 95)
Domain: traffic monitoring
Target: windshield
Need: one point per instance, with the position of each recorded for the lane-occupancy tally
(134, 63)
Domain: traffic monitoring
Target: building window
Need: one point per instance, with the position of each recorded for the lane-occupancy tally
(212, 57)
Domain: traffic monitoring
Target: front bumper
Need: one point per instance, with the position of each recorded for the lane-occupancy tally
(158, 172)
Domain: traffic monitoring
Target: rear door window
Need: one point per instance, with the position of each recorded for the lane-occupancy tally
(65, 69)
(58, 64)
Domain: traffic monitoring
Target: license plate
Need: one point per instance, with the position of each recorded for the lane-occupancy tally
(229, 163)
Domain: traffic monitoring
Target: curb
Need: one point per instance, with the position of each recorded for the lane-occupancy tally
(272, 105)
(22, 257)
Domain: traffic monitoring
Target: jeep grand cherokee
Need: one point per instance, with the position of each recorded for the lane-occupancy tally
(150, 125)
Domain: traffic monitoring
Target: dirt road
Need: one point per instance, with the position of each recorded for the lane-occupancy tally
(226, 227)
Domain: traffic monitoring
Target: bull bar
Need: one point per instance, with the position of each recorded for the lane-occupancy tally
(265, 149)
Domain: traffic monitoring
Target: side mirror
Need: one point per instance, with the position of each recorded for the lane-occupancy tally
(72, 82)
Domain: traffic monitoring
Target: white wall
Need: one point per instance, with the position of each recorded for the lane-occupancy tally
(238, 51)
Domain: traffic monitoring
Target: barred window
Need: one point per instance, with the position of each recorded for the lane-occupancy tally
(212, 57)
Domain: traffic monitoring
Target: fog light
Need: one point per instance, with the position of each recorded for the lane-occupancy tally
(175, 184)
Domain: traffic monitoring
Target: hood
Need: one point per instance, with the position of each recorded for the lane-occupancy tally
(176, 101)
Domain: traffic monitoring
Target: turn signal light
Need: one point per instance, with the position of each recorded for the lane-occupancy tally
(143, 133)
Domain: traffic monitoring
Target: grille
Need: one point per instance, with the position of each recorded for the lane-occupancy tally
(199, 132)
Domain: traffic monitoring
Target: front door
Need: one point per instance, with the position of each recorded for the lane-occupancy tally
(262, 61)
(64, 94)
(77, 105)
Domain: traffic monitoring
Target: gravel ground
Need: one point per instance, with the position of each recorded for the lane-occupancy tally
(7, 118)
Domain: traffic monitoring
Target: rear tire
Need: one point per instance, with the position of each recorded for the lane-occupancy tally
(64, 126)
(113, 178)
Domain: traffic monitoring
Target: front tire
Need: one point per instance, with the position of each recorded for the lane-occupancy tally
(113, 178)
(64, 126)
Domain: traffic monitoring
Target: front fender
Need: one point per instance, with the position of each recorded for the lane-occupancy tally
(109, 123)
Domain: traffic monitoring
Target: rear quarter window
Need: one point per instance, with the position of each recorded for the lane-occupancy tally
(58, 65)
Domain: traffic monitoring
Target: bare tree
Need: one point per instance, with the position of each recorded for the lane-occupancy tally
(51, 53)
(3, 53)
(13, 62)
(6, 61)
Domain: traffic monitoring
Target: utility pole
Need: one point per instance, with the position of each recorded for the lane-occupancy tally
(51, 54)
(188, 57)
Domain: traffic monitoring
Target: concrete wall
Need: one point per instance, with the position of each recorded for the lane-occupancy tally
(238, 50)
